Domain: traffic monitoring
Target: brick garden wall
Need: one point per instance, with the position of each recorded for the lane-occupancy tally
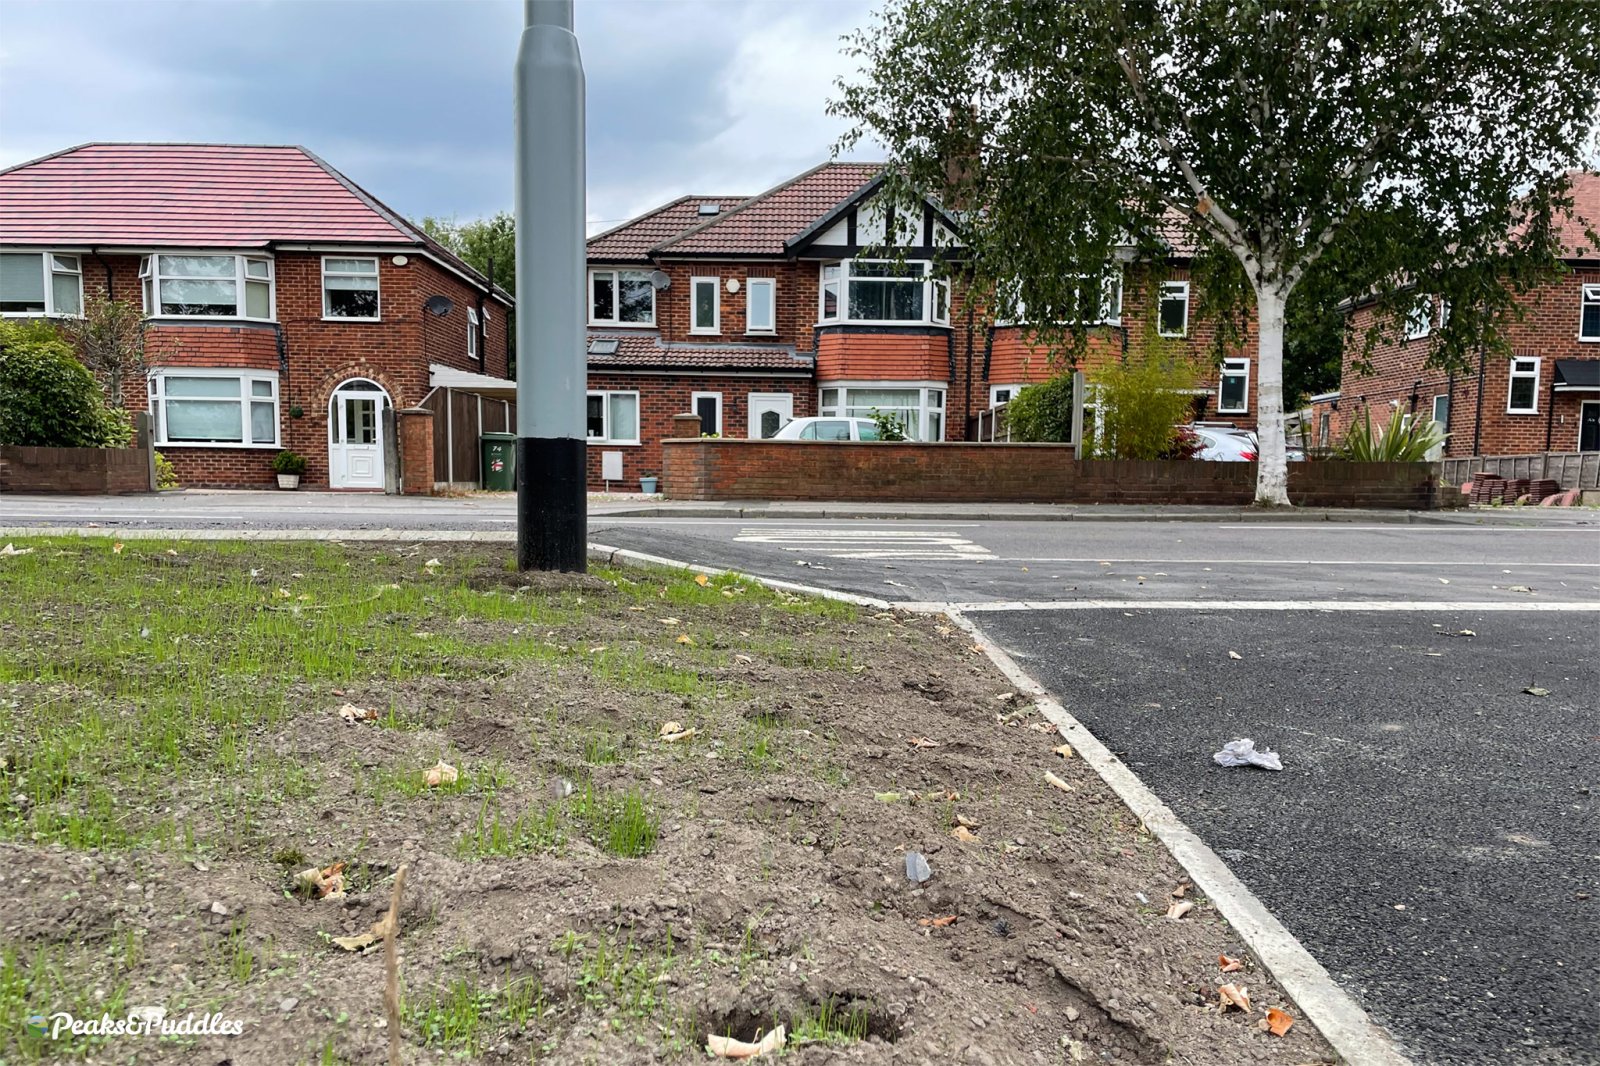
(1011, 473)
(95, 471)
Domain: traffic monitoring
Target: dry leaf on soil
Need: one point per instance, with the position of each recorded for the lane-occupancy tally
(923, 742)
(1536, 691)
(440, 773)
(701, 580)
(965, 835)
(668, 621)
(1233, 996)
(962, 819)
(1058, 781)
(1179, 908)
(1063, 750)
(1182, 890)
(1277, 1022)
(327, 882)
(1048, 728)
(728, 1048)
(361, 941)
(938, 923)
(1235, 655)
(684, 638)
(1229, 964)
(674, 731)
(351, 713)
(116, 549)
(12, 549)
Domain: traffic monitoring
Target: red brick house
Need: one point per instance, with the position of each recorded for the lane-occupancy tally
(285, 306)
(1545, 398)
(753, 310)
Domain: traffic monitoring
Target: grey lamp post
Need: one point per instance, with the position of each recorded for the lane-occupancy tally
(552, 505)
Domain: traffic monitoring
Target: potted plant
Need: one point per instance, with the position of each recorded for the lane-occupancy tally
(288, 466)
(647, 484)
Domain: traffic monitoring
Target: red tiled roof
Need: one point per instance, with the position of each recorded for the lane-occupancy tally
(191, 195)
(760, 225)
(646, 351)
(635, 237)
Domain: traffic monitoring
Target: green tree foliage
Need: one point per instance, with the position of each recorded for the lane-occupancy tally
(1141, 404)
(1042, 412)
(890, 426)
(48, 398)
(1428, 141)
(479, 240)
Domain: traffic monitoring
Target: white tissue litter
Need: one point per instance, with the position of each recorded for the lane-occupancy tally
(1243, 752)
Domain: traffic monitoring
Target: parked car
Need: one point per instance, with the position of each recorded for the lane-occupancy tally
(828, 429)
(1225, 445)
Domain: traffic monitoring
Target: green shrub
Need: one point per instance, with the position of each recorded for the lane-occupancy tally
(166, 473)
(1141, 406)
(1404, 440)
(287, 462)
(48, 398)
(1042, 412)
(889, 425)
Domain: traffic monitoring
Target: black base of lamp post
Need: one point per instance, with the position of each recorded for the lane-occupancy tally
(552, 504)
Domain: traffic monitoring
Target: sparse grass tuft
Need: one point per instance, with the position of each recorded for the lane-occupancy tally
(535, 830)
(624, 825)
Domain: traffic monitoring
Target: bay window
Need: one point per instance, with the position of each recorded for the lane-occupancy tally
(918, 408)
(884, 291)
(41, 283)
(350, 289)
(200, 407)
(1233, 388)
(760, 305)
(207, 286)
(613, 417)
(621, 298)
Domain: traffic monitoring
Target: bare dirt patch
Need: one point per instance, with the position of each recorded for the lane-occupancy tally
(584, 892)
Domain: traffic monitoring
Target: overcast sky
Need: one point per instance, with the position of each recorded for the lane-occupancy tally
(412, 98)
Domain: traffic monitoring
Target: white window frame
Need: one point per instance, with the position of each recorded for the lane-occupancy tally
(472, 335)
(48, 270)
(1011, 390)
(150, 278)
(925, 406)
(1517, 374)
(616, 299)
(1174, 288)
(1588, 295)
(1234, 366)
(1433, 409)
(771, 285)
(375, 275)
(694, 405)
(156, 388)
(605, 415)
(1419, 321)
(935, 294)
(716, 304)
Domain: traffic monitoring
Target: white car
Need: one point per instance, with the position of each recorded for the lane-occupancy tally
(1224, 444)
(828, 429)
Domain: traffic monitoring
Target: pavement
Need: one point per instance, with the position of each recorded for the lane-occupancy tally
(1432, 841)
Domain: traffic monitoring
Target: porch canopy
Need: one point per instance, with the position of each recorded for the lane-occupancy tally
(447, 377)
(1577, 375)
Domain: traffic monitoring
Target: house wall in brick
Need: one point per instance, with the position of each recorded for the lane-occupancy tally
(1479, 423)
(1013, 473)
(311, 355)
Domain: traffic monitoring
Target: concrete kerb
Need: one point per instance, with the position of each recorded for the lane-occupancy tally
(982, 513)
(1354, 1036)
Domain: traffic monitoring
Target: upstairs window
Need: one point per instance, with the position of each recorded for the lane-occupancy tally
(41, 283)
(472, 334)
(884, 291)
(350, 289)
(1589, 314)
(1173, 312)
(705, 305)
(1086, 308)
(207, 286)
(1425, 318)
(760, 305)
(621, 298)
(1233, 388)
(1522, 395)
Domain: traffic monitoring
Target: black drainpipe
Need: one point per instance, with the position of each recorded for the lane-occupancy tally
(1550, 415)
(967, 413)
(1477, 421)
(110, 293)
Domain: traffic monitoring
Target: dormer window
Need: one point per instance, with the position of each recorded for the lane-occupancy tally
(883, 291)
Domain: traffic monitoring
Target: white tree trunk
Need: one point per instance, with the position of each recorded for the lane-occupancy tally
(1272, 469)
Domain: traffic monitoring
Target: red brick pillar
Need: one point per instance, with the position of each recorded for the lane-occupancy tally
(673, 460)
(686, 425)
(416, 451)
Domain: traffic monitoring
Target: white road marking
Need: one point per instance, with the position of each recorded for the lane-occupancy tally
(868, 543)
(1259, 605)
(1289, 562)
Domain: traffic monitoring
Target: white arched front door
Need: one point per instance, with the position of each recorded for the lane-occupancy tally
(355, 435)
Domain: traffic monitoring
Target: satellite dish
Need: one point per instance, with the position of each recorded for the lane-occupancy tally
(439, 305)
(660, 279)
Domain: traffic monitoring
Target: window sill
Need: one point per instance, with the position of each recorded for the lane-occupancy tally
(1520, 412)
(346, 318)
(760, 333)
(1581, 339)
(1229, 411)
(876, 322)
(180, 320)
(705, 333)
(622, 325)
(616, 443)
(219, 444)
(1173, 336)
(41, 314)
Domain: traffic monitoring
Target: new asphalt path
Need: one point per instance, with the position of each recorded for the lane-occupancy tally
(1433, 838)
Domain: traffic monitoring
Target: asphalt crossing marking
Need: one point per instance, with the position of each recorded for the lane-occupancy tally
(868, 543)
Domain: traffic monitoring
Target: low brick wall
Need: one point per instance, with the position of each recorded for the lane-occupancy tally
(733, 469)
(97, 471)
